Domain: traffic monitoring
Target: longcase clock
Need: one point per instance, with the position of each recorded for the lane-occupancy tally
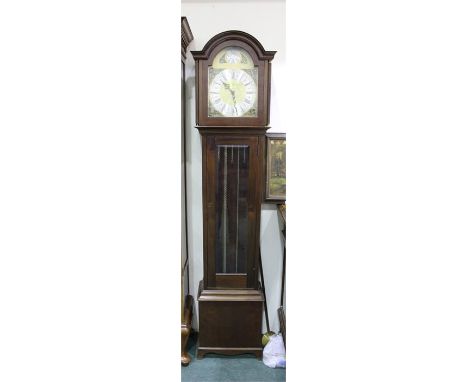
(233, 95)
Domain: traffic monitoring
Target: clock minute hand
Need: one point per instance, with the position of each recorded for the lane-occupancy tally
(228, 87)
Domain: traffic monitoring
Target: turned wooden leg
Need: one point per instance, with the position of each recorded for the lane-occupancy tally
(185, 357)
(186, 327)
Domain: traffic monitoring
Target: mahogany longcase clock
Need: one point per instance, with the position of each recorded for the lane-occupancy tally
(233, 96)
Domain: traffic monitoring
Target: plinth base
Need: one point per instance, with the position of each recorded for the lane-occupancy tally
(230, 321)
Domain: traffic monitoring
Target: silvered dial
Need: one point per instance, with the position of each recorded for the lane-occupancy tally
(232, 92)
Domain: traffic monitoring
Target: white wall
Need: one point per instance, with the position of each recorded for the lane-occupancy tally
(265, 20)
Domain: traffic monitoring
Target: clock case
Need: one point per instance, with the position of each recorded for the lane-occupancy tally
(187, 298)
(230, 305)
(261, 58)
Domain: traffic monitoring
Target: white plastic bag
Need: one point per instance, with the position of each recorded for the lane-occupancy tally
(274, 353)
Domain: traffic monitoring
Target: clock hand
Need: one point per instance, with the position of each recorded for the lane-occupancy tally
(228, 87)
(233, 95)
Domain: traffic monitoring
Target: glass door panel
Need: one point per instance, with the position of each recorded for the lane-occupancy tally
(231, 230)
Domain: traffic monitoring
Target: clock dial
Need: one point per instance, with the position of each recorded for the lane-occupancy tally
(232, 84)
(232, 93)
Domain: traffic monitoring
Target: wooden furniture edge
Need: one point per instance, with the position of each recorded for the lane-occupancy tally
(229, 294)
(186, 35)
(186, 327)
(202, 351)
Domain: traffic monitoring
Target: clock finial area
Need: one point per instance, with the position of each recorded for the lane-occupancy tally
(262, 54)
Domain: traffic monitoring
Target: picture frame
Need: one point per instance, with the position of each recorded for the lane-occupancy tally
(275, 168)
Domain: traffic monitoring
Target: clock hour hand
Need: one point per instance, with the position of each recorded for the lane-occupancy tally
(228, 87)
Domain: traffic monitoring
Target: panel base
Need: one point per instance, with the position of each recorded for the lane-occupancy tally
(230, 321)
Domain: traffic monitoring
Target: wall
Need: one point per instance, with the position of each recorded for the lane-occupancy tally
(266, 21)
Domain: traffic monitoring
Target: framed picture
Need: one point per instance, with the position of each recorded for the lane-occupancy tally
(275, 187)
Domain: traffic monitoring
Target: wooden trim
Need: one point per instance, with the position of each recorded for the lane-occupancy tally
(202, 351)
(235, 281)
(233, 35)
(276, 135)
(210, 210)
(205, 212)
(259, 195)
(244, 130)
(186, 35)
(197, 90)
(268, 101)
(229, 294)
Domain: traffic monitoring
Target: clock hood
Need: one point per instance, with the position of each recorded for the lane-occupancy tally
(233, 35)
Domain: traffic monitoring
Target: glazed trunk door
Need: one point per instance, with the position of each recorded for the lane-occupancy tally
(233, 168)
